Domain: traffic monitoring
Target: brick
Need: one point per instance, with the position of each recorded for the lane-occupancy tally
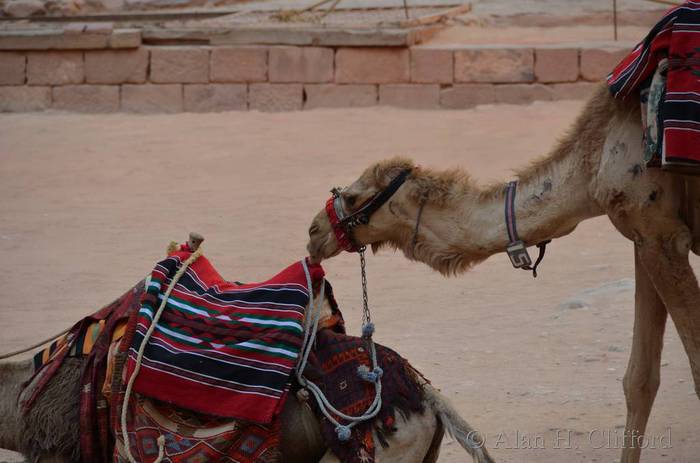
(216, 97)
(275, 97)
(430, 66)
(86, 98)
(239, 64)
(372, 65)
(116, 66)
(179, 65)
(574, 90)
(21, 98)
(410, 96)
(522, 93)
(149, 98)
(301, 64)
(556, 64)
(125, 38)
(597, 63)
(496, 65)
(55, 68)
(13, 68)
(467, 96)
(340, 96)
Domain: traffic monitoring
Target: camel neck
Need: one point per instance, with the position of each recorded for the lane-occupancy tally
(549, 203)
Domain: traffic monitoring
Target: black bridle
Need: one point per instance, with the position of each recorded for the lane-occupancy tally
(517, 251)
(343, 223)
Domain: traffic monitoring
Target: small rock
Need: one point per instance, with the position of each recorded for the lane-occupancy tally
(614, 348)
(24, 8)
(573, 304)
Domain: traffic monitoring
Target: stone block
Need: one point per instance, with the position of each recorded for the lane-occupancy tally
(13, 66)
(430, 65)
(556, 64)
(125, 38)
(467, 96)
(204, 98)
(597, 63)
(275, 97)
(495, 65)
(522, 93)
(171, 65)
(22, 98)
(55, 68)
(301, 64)
(239, 64)
(414, 96)
(86, 98)
(372, 65)
(116, 66)
(150, 98)
(340, 96)
(574, 90)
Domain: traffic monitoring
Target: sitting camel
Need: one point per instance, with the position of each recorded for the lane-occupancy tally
(441, 218)
(50, 431)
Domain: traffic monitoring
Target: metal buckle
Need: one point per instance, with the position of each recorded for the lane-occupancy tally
(519, 257)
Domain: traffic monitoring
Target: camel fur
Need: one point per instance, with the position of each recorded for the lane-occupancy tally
(596, 169)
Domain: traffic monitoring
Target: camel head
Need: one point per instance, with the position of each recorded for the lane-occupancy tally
(425, 193)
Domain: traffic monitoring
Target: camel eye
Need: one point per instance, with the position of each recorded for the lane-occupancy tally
(350, 200)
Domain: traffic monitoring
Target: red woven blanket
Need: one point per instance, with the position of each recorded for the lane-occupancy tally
(190, 437)
(676, 37)
(221, 348)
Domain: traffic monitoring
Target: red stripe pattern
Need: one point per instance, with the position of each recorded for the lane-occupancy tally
(676, 37)
(221, 348)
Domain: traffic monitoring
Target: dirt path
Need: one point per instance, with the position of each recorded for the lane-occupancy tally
(90, 202)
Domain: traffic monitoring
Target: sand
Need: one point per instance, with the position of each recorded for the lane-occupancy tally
(89, 203)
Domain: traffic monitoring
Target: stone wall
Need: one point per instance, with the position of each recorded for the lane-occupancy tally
(281, 78)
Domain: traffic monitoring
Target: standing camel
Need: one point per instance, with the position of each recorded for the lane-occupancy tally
(50, 431)
(441, 218)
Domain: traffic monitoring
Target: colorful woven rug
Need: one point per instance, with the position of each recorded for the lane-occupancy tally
(221, 348)
(193, 438)
(676, 37)
(333, 367)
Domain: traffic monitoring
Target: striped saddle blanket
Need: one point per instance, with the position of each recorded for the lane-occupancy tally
(675, 42)
(221, 348)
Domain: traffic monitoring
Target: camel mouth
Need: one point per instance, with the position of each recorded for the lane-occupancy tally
(321, 248)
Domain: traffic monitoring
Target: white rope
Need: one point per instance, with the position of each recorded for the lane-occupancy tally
(139, 358)
(310, 329)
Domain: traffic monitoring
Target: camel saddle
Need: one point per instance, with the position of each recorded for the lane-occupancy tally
(664, 70)
(104, 340)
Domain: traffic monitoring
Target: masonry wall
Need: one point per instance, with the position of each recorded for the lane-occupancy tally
(170, 79)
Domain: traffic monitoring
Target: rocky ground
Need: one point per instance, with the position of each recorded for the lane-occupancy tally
(90, 202)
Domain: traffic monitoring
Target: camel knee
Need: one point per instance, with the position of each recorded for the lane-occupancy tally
(640, 388)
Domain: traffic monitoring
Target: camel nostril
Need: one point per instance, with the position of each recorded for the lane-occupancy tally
(313, 229)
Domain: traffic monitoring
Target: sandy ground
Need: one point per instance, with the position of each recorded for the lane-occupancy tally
(89, 203)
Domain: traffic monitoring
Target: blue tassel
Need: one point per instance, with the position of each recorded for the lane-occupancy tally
(368, 330)
(369, 376)
(343, 432)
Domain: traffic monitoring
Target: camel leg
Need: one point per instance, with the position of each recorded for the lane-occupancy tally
(665, 257)
(642, 377)
(693, 193)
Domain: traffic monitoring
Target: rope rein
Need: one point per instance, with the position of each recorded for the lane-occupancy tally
(139, 358)
(34, 346)
(374, 376)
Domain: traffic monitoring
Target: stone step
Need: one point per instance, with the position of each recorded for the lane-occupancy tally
(275, 78)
